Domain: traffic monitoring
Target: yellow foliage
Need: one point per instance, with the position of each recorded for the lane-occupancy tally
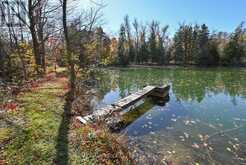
(22, 60)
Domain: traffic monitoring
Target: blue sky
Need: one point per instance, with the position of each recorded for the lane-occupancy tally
(222, 15)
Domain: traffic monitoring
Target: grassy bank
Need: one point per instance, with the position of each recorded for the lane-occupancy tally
(31, 129)
(38, 132)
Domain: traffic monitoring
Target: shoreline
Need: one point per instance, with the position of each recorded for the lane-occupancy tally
(174, 67)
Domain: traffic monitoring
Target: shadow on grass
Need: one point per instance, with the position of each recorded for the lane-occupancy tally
(62, 155)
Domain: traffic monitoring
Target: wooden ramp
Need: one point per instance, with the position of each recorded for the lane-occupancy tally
(125, 103)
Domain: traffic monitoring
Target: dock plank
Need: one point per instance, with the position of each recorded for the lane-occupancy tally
(122, 103)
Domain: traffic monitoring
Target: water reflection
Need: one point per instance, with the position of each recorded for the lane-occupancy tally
(186, 84)
(204, 121)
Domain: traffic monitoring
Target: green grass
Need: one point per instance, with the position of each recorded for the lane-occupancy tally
(39, 133)
(33, 130)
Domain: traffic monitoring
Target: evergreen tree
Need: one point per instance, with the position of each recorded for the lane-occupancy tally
(213, 51)
(195, 44)
(178, 50)
(153, 50)
(203, 58)
(187, 43)
(122, 55)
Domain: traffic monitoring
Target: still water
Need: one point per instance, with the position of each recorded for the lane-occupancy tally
(203, 122)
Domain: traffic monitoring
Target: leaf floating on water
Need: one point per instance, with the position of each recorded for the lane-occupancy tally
(201, 137)
(149, 122)
(186, 122)
(206, 137)
(149, 117)
(210, 148)
(198, 120)
(236, 146)
(212, 126)
(221, 125)
(152, 132)
(197, 163)
(229, 142)
(169, 128)
(236, 119)
(174, 120)
(186, 135)
(195, 145)
(228, 149)
(189, 122)
(193, 122)
(145, 125)
(205, 144)
(182, 138)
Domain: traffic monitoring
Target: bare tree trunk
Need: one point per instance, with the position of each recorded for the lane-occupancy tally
(40, 32)
(37, 22)
(68, 52)
(34, 35)
(42, 48)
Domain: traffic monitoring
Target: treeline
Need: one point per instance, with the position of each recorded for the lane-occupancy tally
(191, 45)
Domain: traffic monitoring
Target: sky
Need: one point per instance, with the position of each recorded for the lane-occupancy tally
(222, 15)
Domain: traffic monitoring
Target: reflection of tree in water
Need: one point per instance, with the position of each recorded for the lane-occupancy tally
(107, 81)
(187, 84)
(234, 82)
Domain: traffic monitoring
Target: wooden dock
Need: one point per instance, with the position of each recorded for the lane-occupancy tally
(124, 103)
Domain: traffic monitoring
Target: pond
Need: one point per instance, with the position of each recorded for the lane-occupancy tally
(202, 122)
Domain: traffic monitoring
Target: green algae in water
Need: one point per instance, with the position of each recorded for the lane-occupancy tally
(204, 122)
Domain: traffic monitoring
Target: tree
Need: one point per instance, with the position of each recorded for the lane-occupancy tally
(235, 49)
(136, 44)
(214, 51)
(122, 41)
(37, 12)
(129, 38)
(204, 58)
(162, 39)
(195, 44)
(14, 41)
(143, 52)
(178, 49)
(68, 52)
(153, 50)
